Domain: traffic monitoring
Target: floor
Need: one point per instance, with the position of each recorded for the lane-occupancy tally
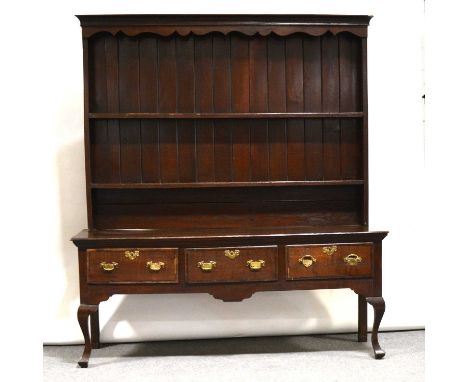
(337, 357)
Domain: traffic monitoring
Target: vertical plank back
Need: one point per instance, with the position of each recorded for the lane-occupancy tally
(227, 73)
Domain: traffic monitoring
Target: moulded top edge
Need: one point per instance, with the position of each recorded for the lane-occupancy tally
(249, 25)
(220, 19)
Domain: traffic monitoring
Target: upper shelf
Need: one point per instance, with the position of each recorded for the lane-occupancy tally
(222, 115)
(183, 25)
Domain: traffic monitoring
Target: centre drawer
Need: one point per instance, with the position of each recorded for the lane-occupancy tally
(139, 265)
(239, 264)
(329, 260)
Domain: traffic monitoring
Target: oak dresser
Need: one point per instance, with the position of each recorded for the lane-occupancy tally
(226, 154)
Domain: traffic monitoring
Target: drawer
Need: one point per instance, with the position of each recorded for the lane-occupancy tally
(329, 260)
(239, 264)
(132, 265)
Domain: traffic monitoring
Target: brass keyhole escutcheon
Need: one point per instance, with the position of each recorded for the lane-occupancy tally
(329, 250)
(307, 260)
(109, 267)
(255, 265)
(352, 259)
(231, 253)
(132, 255)
(207, 266)
(155, 266)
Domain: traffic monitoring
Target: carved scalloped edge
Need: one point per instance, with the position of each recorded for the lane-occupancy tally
(237, 296)
(162, 30)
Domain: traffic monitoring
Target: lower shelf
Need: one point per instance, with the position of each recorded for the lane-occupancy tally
(348, 182)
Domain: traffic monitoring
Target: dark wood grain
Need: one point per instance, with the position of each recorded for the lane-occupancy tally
(351, 149)
(150, 160)
(227, 115)
(130, 151)
(149, 208)
(231, 270)
(131, 271)
(205, 151)
(240, 96)
(185, 103)
(95, 330)
(312, 74)
(203, 66)
(99, 152)
(274, 183)
(84, 311)
(350, 73)
(113, 105)
(313, 129)
(258, 102)
(207, 133)
(87, 79)
(365, 143)
(168, 102)
(248, 25)
(378, 303)
(328, 266)
(295, 103)
(362, 319)
(276, 75)
(129, 99)
(104, 135)
(221, 73)
(277, 102)
(97, 75)
(330, 74)
(314, 149)
(185, 67)
(331, 149)
(222, 155)
(277, 155)
(240, 86)
(223, 151)
(148, 74)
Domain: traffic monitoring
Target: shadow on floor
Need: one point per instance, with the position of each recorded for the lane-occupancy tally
(224, 346)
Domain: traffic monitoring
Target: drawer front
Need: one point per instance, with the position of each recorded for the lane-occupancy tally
(132, 265)
(329, 260)
(240, 264)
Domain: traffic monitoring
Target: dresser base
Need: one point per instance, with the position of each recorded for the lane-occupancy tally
(231, 265)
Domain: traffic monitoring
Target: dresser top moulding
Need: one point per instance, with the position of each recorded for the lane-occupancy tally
(183, 25)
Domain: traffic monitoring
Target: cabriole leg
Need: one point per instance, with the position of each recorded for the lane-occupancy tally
(378, 304)
(84, 311)
(362, 318)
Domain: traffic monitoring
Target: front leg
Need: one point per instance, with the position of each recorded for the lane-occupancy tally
(84, 311)
(95, 332)
(362, 318)
(378, 304)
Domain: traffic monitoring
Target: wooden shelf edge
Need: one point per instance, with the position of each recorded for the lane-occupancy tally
(225, 184)
(223, 115)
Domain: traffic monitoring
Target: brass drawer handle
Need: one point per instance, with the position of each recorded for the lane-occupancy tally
(132, 255)
(329, 250)
(207, 266)
(307, 260)
(255, 265)
(109, 267)
(155, 266)
(231, 253)
(352, 259)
